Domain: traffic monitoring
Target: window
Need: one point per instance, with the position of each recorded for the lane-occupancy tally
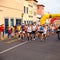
(30, 6)
(25, 9)
(27, 22)
(31, 22)
(6, 24)
(11, 22)
(18, 21)
(24, 22)
(35, 13)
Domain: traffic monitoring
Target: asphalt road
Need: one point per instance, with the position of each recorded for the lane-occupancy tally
(32, 50)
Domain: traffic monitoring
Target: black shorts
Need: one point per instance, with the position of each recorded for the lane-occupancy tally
(29, 33)
(33, 32)
(40, 32)
(16, 31)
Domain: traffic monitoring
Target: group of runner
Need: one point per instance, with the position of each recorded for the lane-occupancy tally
(31, 31)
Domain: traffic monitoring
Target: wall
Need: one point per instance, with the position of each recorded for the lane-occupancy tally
(10, 9)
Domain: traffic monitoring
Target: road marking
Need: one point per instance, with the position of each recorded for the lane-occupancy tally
(13, 47)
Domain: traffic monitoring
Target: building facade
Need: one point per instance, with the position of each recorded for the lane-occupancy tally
(11, 13)
(40, 11)
(14, 12)
(30, 9)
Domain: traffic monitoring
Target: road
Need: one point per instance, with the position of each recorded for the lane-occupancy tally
(31, 50)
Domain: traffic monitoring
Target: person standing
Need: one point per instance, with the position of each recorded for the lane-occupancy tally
(2, 28)
(58, 32)
(0, 32)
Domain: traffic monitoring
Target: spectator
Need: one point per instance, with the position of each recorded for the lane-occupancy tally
(0, 31)
(2, 28)
(58, 32)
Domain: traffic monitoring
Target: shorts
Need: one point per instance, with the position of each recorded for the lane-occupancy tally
(16, 31)
(20, 32)
(40, 32)
(52, 31)
(23, 32)
(29, 33)
(33, 32)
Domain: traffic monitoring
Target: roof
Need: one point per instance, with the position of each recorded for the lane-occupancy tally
(40, 5)
(32, 0)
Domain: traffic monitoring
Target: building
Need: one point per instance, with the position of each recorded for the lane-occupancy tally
(30, 10)
(14, 12)
(40, 11)
(11, 13)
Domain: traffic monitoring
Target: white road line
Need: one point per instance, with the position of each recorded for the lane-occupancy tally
(13, 47)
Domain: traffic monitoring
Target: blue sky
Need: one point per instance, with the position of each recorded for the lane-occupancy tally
(52, 6)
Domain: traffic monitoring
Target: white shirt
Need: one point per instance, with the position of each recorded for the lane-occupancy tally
(45, 30)
(34, 28)
(29, 29)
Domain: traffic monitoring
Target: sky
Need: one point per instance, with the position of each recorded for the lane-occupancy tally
(51, 6)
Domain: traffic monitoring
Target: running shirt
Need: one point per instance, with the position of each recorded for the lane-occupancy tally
(41, 28)
(23, 28)
(29, 29)
(34, 28)
(45, 30)
(18, 28)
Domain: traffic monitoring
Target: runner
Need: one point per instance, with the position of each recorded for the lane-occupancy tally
(48, 30)
(29, 32)
(23, 31)
(19, 29)
(52, 29)
(38, 31)
(45, 32)
(26, 26)
(9, 32)
(34, 31)
(41, 32)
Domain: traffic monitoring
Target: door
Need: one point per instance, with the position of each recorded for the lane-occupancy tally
(18, 21)
(11, 22)
(6, 24)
